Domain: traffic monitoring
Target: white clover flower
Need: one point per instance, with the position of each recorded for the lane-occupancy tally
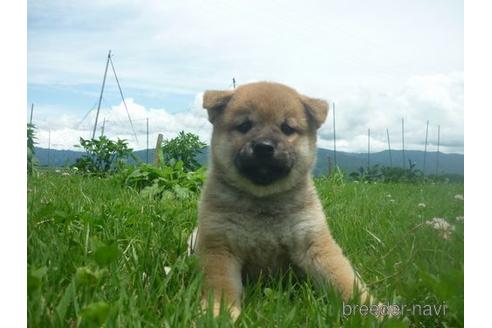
(459, 197)
(167, 269)
(445, 229)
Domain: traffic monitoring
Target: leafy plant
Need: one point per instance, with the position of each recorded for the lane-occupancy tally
(166, 180)
(177, 173)
(103, 155)
(31, 141)
(185, 147)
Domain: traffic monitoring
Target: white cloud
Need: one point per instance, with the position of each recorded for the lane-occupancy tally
(63, 132)
(437, 98)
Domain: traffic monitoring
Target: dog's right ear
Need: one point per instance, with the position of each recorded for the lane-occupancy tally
(215, 101)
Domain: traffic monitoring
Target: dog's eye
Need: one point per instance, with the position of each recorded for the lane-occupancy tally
(287, 129)
(244, 127)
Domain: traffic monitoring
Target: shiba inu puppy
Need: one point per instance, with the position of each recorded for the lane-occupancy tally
(259, 211)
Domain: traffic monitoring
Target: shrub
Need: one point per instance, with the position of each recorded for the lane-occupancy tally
(185, 147)
(104, 156)
(378, 173)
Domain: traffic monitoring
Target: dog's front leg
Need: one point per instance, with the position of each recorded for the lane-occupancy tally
(324, 261)
(222, 278)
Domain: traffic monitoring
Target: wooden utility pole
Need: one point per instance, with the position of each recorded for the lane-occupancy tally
(30, 118)
(158, 150)
(368, 149)
(147, 141)
(437, 154)
(403, 142)
(334, 137)
(101, 95)
(389, 146)
(425, 145)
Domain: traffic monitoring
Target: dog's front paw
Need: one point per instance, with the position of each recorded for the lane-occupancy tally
(234, 311)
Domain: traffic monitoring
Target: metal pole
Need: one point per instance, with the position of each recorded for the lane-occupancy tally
(32, 109)
(403, 142)
(49, 146)
(101, 95)
(334, 138)
(389, 147)
(147, 140)
(438, 142)
(368, 149)
(425, 147)
(234, 83)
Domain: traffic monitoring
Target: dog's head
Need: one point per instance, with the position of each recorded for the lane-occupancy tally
(264, 136)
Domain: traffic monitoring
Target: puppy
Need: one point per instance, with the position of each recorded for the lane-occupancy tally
(259, 211)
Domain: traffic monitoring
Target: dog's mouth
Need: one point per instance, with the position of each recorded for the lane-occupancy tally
(263, 171)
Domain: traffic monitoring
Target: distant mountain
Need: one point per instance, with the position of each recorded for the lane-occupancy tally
(56, 157)
(349, 162)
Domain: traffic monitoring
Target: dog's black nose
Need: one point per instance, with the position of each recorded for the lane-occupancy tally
(263, 149)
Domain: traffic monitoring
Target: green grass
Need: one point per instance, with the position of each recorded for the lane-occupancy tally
(97, 252)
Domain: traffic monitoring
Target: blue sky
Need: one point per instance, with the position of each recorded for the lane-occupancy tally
(378, 61)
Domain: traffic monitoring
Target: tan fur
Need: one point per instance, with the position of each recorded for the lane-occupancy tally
(248, 229)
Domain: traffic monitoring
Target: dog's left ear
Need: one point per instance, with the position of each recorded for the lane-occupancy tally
(317, 109)
(215, 101)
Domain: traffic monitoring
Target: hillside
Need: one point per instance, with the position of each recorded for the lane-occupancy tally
(349, 162)
(448, 163)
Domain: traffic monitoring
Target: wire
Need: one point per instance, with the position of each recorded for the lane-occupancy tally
(123, 98)
(86, 114)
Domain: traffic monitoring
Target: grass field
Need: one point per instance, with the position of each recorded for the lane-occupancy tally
(97, 254)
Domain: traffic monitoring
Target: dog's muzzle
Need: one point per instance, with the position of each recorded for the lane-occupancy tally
(262, 163)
